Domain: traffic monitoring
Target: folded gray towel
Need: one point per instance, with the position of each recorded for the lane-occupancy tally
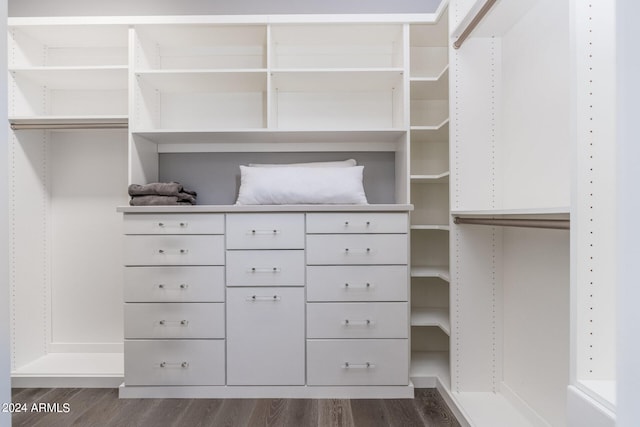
(153, 200)
(159, 189)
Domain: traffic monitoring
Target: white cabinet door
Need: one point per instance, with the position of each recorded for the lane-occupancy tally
(174, 320)
(328, 249)
(358, 320)
(174, 362)
(357, 222)
(265, 268)
(174, 250)
(357, 362)
(265, 231)
(174, 284)
(357, 283)
(179, 223)
(265, 336)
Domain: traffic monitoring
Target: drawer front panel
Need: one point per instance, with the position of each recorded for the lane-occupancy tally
(358, 320)
(174, 284)
(327, 249)
(265, 336)
(265, 268)
(265, 231)
(357, 362)
(174, 362)
(359, 223)
(174, 250)
(174, 320)
(357, 283)
(178, 223)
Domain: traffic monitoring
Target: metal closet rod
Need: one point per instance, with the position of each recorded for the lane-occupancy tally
(473, 24)
(554, 224)
(45, 126)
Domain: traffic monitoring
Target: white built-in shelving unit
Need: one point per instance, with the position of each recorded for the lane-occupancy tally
(429, 193)
(207, 93)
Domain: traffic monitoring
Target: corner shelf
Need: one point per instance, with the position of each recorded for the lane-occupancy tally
(424, 316)
(430, 227)
(441, 178)
(429, 366)
(441, 272)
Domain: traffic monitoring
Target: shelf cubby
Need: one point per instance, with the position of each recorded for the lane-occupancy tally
(166, 47)
(336, 46)
(67, 45)
(200, 100)
(429, 49)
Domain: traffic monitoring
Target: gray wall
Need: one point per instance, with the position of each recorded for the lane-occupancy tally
(213, 7)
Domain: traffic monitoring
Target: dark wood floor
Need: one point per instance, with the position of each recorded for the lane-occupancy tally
(101, 407)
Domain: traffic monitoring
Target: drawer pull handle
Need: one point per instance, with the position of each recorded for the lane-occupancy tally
(365, 286)
(174, 365)
(366, 322)
(366, 251)
(365, 365)
(180, 251)
(183, 286)
(256, 298)
(265, 270)
(180, 224)
(367, 224)
(263, 232)
(173, 322)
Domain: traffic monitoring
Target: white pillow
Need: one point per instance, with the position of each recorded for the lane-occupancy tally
(301, 185)
(337, 164)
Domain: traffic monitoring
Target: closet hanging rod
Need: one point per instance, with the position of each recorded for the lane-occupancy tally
(70, 126)
(555, 224)
(473, 23)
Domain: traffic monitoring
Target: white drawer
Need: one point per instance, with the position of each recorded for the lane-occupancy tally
(327, 249)
(265, 336)
(358, 362)
(357, 283)
(358, 320)
(174, 362)
(178, 223)
(174, 250)
(265, 268)
(174, 320)
(265, 231)
(357, 222)
(174, 284)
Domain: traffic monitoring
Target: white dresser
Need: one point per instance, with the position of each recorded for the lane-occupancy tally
(226, 301)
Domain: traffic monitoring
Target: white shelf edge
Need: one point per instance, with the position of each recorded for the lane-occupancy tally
(433, 128)
(79, 68)
(438, 317)
(338, 70)
(559, 210)
(431, 79)
(430, 227)
(433, 179)
(265, 208)
(441, 272)
(213, 71)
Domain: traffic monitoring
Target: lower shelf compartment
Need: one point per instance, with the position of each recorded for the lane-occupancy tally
(495, 410)
(427, 367)
(92, 370)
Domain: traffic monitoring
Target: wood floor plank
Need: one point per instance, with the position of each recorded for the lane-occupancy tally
(334, 413)
(103, 408)
(301, 412)
(369, 413)
(200, 413)
(234, 413)
(433, 408)
(403, 413)
(55, 396)
(79, 403)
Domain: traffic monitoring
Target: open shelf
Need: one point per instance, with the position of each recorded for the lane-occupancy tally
(559, 210)
(441, 272)
(71, 369)
(433, 179)
(427, 366)
(201, 47)
(428, 48)
(52, 122)
(337, 46)
(491, 409)
(430, 227)
(426, 316)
